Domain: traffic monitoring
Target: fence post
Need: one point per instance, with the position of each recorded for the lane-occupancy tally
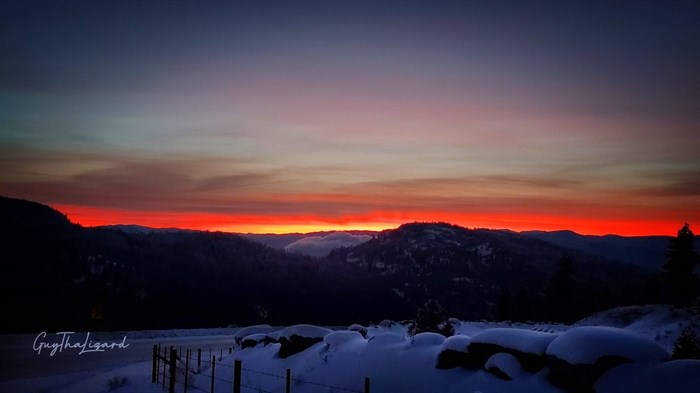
(173, 369)
(221, 353)
(237, 366)
(187, 367)
(157, 364)
(229, 350)
(165, 351)
(154, 370)
(366, 384)
(213, 369)
(288, 385)
(199, 358)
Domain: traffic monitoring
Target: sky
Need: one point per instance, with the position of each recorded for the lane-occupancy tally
(276, 117)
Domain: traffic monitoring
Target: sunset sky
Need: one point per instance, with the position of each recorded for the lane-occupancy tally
(301, 116)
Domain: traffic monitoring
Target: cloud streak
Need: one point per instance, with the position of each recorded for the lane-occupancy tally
(307, 115)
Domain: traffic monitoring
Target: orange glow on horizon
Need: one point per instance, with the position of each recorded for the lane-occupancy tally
(376, 221)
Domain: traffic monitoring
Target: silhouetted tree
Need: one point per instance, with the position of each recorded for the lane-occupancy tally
(681, 260)
(431, 318)
(687, 345)
(560, 294)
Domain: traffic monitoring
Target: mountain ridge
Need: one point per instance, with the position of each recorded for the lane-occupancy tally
(104, 278)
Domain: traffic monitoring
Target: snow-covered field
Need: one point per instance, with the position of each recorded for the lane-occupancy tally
(391, 359)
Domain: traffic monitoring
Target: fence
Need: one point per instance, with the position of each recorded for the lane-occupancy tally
(173, 369)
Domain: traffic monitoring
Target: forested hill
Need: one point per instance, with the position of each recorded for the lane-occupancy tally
(74, 278)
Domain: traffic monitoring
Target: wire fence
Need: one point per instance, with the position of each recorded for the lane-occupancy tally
(177, 371)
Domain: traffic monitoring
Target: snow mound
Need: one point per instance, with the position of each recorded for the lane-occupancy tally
(660, 321)
(587, 344)
(254, 339)
(247, 331)
(342, 337)
(427, 339)
(678, 376)
(504, 366)
(526, 341)
(358, 328)
(309, 331)
(456, 343)
(380, 340)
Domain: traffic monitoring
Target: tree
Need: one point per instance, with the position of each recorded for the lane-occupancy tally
(681, 260)
(687, 345)
(431, 318)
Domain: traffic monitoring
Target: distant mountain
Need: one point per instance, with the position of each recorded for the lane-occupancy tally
(59, 276)
(141, 230)
(475, 270)
(281, 241)
(648, 252)
(130, 277)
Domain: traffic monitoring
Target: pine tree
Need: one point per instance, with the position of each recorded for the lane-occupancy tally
(431, 318)
(687, 345)
(681, 260)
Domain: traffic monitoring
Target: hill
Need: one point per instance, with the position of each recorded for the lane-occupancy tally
(106, 278)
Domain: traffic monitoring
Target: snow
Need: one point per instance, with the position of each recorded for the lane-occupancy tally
(309, 331)
(394, 361)
(381, 340)
(457, 343)
(393, 366)
(342, 337)
(661, 322)
(587, 344)
(427, 339)
(526, 341)
(678, 376)
(506, 363)
(257, 338)
(256, 329)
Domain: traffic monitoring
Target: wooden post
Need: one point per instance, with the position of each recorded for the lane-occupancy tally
(164, 365)
(221, 353)
(154, 370)
(366, 384)
(173, 369)
(158, 364)
(237, 366)
(199, 358)
(213, 369)
(187, 367)
(288, 385)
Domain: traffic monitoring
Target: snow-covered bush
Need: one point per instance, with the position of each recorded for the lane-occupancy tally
(358, 328)
(454, 353)
(247, 331)
(677, 376)
(504, 366)
(298, 338)
(579, 356)
(427, 339)
(256, 339)
(341, 337)
(528, 346)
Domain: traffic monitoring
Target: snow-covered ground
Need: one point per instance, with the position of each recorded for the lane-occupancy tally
(391, 359)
